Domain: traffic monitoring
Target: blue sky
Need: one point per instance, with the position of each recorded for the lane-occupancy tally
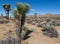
(38, 6)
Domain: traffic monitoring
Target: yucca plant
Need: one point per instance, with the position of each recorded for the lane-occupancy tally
(7, 9)
(22, 9)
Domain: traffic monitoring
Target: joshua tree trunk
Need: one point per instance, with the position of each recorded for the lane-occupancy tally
(20, 24)
(7, 14)
(23, 20)
(22, 9)
(18, 30)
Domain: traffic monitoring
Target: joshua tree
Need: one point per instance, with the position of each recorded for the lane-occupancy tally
(35, 15)
(7, 9)
(22, 9)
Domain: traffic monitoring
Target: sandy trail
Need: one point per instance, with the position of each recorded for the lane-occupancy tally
(38, 38)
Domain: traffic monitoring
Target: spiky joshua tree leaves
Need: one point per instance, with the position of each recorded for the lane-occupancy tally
(7, 9)
(21, 10)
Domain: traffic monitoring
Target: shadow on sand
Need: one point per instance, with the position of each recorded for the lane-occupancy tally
(26, 36)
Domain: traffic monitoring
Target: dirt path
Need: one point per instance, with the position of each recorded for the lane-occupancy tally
(38, 38)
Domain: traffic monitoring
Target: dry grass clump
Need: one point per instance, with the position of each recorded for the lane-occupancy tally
(50, 30)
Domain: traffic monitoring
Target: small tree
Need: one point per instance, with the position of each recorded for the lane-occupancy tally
(35, 17)
(22, 9)
(7, 9)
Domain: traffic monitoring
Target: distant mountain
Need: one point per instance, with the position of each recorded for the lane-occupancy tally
(46, 15)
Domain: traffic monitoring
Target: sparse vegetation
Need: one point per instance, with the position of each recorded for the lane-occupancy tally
(50, 30)
(24, 28)
(48, 19)
(15, 30)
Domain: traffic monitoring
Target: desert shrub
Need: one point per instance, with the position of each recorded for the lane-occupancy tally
(48, 19)
(45, 27)
(56, 23)
(9, 41)
(29, 21)
(24, 28)
(50, 31)
(39, 24)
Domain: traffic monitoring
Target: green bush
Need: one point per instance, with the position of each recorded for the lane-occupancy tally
(49, 28)
(49, 19)
(24, 28)
(50, 31)
(45, 27)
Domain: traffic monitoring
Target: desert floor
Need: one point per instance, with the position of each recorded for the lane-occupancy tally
(36, 37)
